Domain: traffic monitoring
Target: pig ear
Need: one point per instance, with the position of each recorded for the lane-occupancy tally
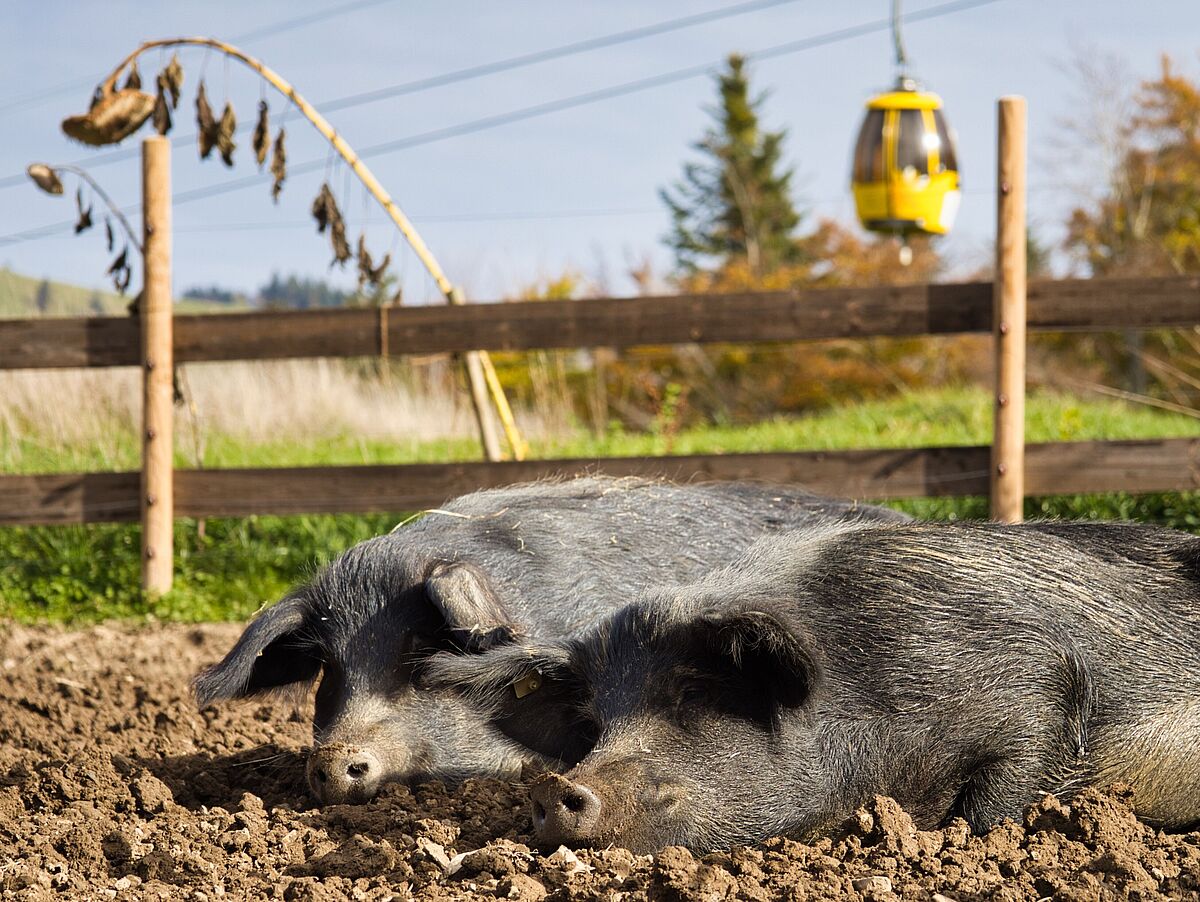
(490, 679)
(270, 654)
(762, 648)
(473, 614)
(534, 696)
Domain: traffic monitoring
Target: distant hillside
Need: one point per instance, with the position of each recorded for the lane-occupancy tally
(25, 296)
(22, 296)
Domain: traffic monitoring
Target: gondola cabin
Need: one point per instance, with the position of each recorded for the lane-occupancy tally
(905, 176)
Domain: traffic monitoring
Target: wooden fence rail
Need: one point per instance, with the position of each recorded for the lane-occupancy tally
(784, 316)
(1163, 465)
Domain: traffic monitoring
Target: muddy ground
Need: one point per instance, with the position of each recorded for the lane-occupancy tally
(112, 785)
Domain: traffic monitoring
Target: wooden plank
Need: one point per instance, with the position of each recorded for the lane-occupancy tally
(277, 334)
(1137, 467)
(54, 342)
(213, 493)
(607, 322)
(762, 316)
(1091, 305)
(1165, 465)
(58, 499)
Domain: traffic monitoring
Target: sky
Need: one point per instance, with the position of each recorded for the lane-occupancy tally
(573, 190)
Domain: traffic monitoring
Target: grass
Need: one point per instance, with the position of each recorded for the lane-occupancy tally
(20, 296)
(227, 569)
(237, 414)
(958, 416)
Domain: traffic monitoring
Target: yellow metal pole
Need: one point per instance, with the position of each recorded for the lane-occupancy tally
(157, 496)
(385, 200)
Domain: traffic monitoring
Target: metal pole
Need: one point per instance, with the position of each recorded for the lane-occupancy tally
(901, 56)
(158, 507)
(1008, 304)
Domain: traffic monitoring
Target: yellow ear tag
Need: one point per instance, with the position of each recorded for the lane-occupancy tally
(528, 684)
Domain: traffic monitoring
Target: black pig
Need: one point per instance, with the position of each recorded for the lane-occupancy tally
(963, 669)
(536, 561)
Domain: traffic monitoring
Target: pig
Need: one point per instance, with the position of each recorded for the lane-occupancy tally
(963, 669)
(533, 561)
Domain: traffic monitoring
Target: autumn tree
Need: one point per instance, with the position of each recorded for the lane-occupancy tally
(1146, 221)
(735, 206)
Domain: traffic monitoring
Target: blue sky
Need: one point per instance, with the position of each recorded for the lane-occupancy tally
(576, 189)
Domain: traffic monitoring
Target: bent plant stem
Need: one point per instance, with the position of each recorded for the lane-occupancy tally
(372, 185)
(108, 201)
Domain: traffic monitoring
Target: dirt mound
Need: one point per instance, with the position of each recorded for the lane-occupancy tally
(112, 785)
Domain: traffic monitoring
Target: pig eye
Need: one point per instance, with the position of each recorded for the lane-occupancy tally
(694, 695)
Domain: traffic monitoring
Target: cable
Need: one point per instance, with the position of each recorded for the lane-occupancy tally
(446, 78)
(541, 56)
(541, 109)
(532, 215)
(265, 31)
(269, 31)
(515, 216)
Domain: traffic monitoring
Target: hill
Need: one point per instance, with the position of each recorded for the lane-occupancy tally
(23, 296)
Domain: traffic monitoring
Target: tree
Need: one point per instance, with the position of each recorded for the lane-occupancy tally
(215, 294)
(1147, 219)
(300, 293)
(735, 208)
(1037, 255)
(42, 299)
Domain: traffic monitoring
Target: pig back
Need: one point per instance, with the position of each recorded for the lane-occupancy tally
(561, 554)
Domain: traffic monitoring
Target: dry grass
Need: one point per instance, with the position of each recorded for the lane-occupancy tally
(59, 409)
(304, 400)
(251, 403)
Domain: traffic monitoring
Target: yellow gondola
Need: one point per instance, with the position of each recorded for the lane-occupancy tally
(905, 176)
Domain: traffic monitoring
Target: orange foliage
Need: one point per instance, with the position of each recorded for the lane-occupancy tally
(1148, 221)
(835, 256)
(733, 383)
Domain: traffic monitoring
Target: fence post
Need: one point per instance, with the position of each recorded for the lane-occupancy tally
(158, 393)
(1008, 305)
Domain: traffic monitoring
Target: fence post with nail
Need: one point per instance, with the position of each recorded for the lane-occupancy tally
(1009, 315)
(158, 392)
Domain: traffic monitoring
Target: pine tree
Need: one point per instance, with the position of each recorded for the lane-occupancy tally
(735, 207)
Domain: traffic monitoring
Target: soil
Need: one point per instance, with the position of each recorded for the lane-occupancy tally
(113, 785)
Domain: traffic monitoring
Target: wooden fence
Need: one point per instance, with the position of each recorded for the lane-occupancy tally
(774, 316)
(1007, 470)
(1068, 305)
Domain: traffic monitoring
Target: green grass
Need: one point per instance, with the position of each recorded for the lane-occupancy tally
(960, 416)
(80, 574)
(232, 567)
(18, 296)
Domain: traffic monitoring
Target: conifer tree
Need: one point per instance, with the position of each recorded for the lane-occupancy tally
(735, 207)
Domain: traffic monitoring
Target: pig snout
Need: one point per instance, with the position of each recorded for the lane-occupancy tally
(564, 812)
(339, 773)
